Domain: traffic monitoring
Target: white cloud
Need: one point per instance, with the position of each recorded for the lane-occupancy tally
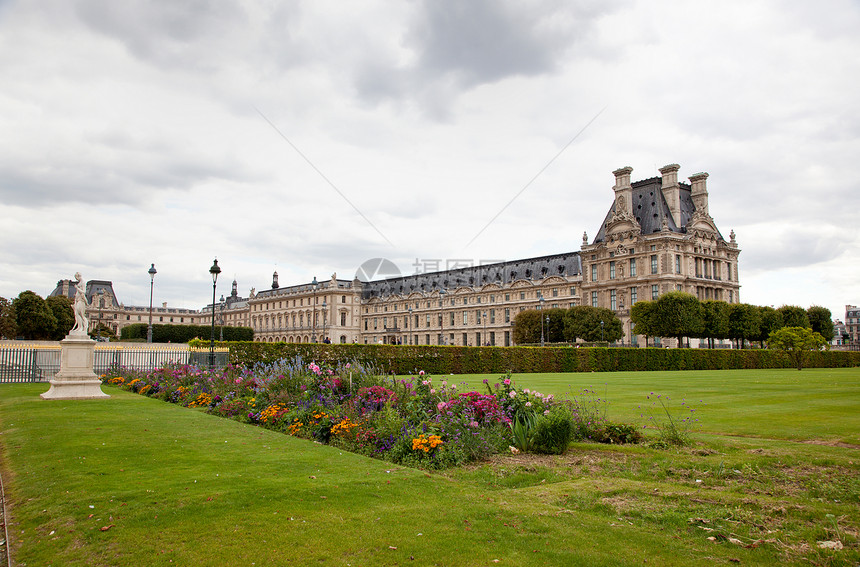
(133, 135)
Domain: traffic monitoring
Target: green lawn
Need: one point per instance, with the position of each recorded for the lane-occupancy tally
(178, 487)
(813, 404)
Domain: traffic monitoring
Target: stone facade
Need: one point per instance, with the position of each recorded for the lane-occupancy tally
(852, 326)
(658, 236)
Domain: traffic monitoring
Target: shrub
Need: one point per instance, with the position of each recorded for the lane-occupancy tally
(553, 431)
(618, 434)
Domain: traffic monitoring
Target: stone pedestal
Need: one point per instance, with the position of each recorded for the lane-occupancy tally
(76, 379)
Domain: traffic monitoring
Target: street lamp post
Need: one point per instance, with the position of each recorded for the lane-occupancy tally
(601, 330)
(314, 314)
(441, 340)
(324, 318)
(540, 307)
(152, 272)
(213, 271)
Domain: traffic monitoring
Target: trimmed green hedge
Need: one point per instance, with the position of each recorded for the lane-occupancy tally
(403, 359)
(185, 333)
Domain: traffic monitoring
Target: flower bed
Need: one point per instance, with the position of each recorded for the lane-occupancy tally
(413, 421)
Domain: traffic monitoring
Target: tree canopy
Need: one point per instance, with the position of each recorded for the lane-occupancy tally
(794, 316)
(8, 320)
(583, 322)
(61, 308)
(820, 321)
(796, 342)
(34, 318)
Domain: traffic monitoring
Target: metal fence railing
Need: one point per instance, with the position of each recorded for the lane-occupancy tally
(34, 362)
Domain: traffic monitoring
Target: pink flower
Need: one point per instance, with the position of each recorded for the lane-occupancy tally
(526, 390)
(441, 406)
(513, 394)
(528, 404)
(347, 366)
(507, 381)
(425, 382)
(474, 424)
(421, 373)
(432, 390)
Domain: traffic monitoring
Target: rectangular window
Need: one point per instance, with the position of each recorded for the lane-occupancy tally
(731, 296)
(385, 322)
(677, 263)
(452, 320)
(465, 317)
(612, 270)
(507, 317)
(594, 299)
(492, 316)
(507, 338)
(728, 271)
(507, 297)
(465, 339)
(522, 295)
(655, 291)
(634, 296)
(633, 267)
(572, 291)
(653, 263)
(374, 323)
(613, 302)
(478, 317)
(555, 292)
(478, 299)
(492, 299)
(593, 273)
(428, 323)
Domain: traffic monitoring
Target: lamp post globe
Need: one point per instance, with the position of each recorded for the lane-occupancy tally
(152, 271)
(213, 271)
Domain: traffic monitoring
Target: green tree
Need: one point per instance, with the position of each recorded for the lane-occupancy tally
(796, 342)
(794, 316)
(61, 307)
(678, 314)
(33, 316)
(584, 322)
(8, 321)
(820, 321)
(527, 327)
(642, 314)
(744, 323)
(771, 320)
(715, 321)
(555, 328)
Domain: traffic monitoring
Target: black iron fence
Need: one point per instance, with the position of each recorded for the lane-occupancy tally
(34, 362)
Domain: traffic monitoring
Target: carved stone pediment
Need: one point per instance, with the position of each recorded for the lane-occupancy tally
(522, 283)
(702, 222)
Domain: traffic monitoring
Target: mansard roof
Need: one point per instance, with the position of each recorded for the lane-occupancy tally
(650, 208)
(540, 268)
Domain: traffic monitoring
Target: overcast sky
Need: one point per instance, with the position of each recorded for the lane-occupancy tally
(308, 137)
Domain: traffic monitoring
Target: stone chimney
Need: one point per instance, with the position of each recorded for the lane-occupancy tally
(672, 191)
(623, 191)
(699, 192)
(275, 280)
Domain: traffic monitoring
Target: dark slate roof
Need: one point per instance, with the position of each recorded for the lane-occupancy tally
(95, 287)
(650, 208)
(529, 269)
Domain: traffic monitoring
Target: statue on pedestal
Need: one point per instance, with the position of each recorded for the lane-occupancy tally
(76, 379)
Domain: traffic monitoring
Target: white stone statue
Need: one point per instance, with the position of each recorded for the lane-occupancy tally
(80, 308)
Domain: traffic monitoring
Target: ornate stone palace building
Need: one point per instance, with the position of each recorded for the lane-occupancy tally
(658, 236)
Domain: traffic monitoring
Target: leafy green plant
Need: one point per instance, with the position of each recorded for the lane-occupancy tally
(523, 429)
(553, 431)
(618, 434)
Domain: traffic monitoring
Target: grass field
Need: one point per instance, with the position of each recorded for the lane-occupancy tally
(134, 481)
